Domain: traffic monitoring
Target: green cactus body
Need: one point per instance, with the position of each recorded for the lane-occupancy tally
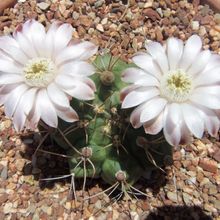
(103, 143)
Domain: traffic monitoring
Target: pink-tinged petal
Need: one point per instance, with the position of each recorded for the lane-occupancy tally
(23, 108)
(37, 35)
(212, 122)
(57, 96)
(191, 50)
(174, 52)
(26, 45)
(186, 136)
(146, 62)
(132, 74)
(158, 53)
(68, 115)
(13, 99)
(193, 119)
(12, 50)
(208, 100)
(49, 39)
(173, 123)
(173, 118)
(147, 80)
(214, 62)
(81, 51)
(81, 91)
(10, 67)
(135, 116)
(210, 90)
(62, 37)
(34, 116)
(155, 125)
(124, 92)
(199, 64)
(66, 81)
(10, 78)
(152, 109)
(89, 83)
(208, 77)
(3, 98)
(6, 89)
(171, 132)
(77, 68)
(136, 97)
(48, 112)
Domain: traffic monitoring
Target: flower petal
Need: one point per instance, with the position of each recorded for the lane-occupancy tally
(209, 77)
(191, 49)
(132, 74)
(81, 91)
(137, 97)
(68, 115)
(146, 62)
(211, 90)
(158, 53)
(147, 80)
(135, 116)
(13, 99)
(208, 100)
(49, 39)
(57, 96)
(174, 52)
(125, 91)
(10, 78)
(23, 108)
(155, 126)
(12, 50)
(193, 119)
(81, 51)
(25, 44)
(171, 131)
(214, 62)
(62, 37)
(152, 109)
(199, 64)
(10, 67)
(211, 120)
(48, 112)
(77, 68)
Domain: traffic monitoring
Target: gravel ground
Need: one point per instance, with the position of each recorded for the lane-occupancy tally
(189, 189)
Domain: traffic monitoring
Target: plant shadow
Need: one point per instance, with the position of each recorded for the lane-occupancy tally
(48, 162)
(178, 213)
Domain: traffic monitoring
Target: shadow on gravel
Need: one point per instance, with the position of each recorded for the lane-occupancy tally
(49, 162)
(178, 213)
(42, 163)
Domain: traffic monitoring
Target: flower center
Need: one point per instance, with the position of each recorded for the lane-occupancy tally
(176, 86)
(39, 72)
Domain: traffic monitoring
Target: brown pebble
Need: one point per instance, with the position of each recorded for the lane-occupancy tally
(208, 165)
(206, 20)
(152, 14)
(177, 155)
(3, 198)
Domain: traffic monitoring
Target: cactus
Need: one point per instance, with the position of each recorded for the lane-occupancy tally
(103, 143)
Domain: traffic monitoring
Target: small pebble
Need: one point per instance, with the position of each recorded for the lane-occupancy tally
(195, 25)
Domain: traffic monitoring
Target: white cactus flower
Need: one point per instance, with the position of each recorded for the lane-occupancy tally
(176, 88)
(40, 71)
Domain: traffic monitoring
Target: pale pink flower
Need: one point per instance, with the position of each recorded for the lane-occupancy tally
(40, 71)
(176, 88)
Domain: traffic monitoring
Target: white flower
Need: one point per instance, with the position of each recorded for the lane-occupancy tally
(176, 88)
(40, 71)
